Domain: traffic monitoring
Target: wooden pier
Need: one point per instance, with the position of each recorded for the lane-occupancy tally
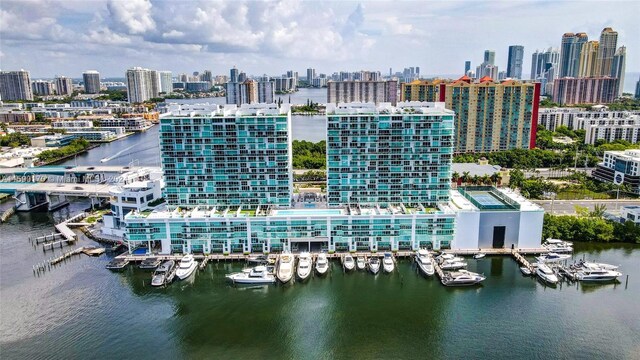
(522, 261)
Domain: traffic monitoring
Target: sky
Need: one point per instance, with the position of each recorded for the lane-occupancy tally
(53, 37)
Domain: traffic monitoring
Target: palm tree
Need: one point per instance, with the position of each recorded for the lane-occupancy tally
(455, 176)
(465, 177)
(475, 179)
(485, 179)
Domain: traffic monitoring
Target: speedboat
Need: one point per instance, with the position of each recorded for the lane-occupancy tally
(348, 262)
(186, 267)
(149, 263)
(164, 273)
(387, 263)
(552, 257)
(305, 263)
(545, 273)
(479, 256)
(461, 278)
(374, 264)
(453, 265)
(361, 264)
(257, 275)
(322, 264)
(285, 267)
(525, 271)
(117, 264)
(425, 263)
(558, 246)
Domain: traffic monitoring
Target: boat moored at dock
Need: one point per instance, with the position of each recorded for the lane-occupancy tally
(453, 264)
(322, 264)
(257, 275)
(149, 263)
(387, 263)
(186, 267)
(479, 256)
(552, 257)
(348, 262)
(305, 264)
(374, 264)
(547, 275)
(361, 263)
(164, 273)
(425, 262)
(117, 264)
(285, 267)
(558, 246)
(461, 278)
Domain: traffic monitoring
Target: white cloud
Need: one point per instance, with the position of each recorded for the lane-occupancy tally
(132, 16)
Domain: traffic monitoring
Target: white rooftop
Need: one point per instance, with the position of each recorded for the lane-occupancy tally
(229, 110)
(408, 107)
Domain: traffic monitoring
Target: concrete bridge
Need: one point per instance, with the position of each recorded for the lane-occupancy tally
(29, 195)
(81, 174)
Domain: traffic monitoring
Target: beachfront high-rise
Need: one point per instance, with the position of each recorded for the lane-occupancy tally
(15, 85)
(379, 155)
(64, 85)
(492, 116)
(423, 90)
(91, 80)
(231, 156)
(606, 50)
(570, 50)
(618, 68)
(380, 91)
(142, 84)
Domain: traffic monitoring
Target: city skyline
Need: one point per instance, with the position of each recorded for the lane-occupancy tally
(112, 35)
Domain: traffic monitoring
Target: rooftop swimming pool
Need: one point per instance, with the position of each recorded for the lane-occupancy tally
(308, 212)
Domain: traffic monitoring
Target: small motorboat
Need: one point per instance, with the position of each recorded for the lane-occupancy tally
(361, 264)
(387, 263)
(305, 263)
(186, 267)
(285, 267)
(461, 278)
(374, 264)
(149, 263)
(425, 263)
(479, 256)
(348, 262)
(164, 273)
(322, 264)
(117, 264)
(525, 271)
(453, 264)
(257, 275)
(552, 257)
(547, 275)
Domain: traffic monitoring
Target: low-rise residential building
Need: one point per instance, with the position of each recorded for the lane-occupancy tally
(56, 140)
(130, 124)
(576, 118)
(17, 117)
(620, 167)
(609, 130)
(630, 213)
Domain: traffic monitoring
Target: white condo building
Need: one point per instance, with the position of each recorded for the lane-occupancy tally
(142, 84)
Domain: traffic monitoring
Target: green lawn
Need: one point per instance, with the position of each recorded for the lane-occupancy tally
(580, 194)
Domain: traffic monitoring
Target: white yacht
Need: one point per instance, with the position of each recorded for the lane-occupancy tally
(361, 264)
(558, 246)
(425, 263)
(545, 273)
(186, 267)
(257, 275)
(594, 272)
(462, 278)
(374, 264)
(387, 263)
(589, 264)
(164, 273)
(285, 267)
(348, 262)
(305, 264)
(448, 257)
(322, 264)
(453, 264)
(552, 257)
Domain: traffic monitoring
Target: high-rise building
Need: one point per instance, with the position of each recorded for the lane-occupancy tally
(166, 81)
(248, 165)
(142, 84)
(207, 76)
(593, 90)
(311, 74)
(514, 63)
(541, 62)
(43, 88)
(64, 85)
(383, 155)
(266, 91)
(233, 75)
(637, 96)
(15, 85)
(423, 91)
(467, 67)
(606, 50)
(362, 91)
(490, 57)
(493, 116)
(589, 60)
(618, 67)
(91, 79)
(570, 53)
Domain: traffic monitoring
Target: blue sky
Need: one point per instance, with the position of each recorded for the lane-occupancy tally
(50, 37)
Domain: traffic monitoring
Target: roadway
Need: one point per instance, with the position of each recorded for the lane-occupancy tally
(62, 170)
(86, 190)
(567, 207)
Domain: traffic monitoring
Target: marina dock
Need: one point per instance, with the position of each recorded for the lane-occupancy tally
(522, 261)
